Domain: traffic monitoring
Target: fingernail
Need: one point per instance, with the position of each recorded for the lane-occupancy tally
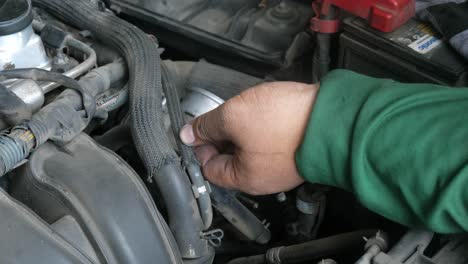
(186, 135)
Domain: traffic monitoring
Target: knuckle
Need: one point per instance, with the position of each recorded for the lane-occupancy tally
(226, 117)
(202, 129)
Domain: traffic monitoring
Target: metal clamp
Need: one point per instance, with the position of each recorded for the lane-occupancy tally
(214, 237)
(273, 255)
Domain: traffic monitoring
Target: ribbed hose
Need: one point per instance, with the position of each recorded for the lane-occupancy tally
(12, 151)
(151, 141)
(175, 111)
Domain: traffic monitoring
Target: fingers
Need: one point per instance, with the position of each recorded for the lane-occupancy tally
(205, 153)
(221, 170)
(207, 128)
(218, 169)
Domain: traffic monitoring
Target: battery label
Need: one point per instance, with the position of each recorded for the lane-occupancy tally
(425, 44)
(419, 37)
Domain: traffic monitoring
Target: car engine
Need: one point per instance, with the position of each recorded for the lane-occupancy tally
(93, 94)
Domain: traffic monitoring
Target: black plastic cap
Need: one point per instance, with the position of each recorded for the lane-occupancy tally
(15, 15)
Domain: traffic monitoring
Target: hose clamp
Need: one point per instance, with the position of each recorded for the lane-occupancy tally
(380, 239)
(273, 255)
(214, 237)
(323, 25)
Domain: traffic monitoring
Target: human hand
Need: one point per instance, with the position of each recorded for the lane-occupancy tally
(249, 142)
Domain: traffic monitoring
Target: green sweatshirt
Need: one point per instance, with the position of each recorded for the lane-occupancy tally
(402, 149)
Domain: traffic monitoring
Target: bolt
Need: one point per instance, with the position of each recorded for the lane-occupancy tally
(248, 201)
(281, 197)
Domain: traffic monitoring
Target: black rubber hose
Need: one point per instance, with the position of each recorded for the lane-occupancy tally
(175, 111)
(322, 60)
(314, 249)
(323, 55)
(239, 216)
(152, 143)
(190, 162)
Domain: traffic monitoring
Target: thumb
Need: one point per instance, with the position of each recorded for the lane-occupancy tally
(205, 129)
(222, 171)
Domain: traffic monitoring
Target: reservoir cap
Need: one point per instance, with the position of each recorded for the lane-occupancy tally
(15, 15)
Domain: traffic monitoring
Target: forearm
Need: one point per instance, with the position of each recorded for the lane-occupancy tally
(401, 148)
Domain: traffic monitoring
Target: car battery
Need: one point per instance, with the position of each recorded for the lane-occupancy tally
(413, 53)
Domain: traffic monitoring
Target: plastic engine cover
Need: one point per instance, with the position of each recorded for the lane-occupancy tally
(25, 238)
(103, 194)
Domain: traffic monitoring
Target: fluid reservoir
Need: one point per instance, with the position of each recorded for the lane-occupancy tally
(20, 47)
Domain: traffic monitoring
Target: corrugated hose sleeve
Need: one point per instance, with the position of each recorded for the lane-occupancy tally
(142, 57)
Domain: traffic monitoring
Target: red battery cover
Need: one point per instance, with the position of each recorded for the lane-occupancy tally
(383, 15)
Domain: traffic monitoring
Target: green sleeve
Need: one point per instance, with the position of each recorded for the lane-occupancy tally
(402, 149)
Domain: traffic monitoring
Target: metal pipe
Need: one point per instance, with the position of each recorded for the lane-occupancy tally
(79, 70)
(33, 93)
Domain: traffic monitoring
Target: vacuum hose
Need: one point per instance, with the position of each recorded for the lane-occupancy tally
(190, 162)
(310, 250)
(239, 216)
(152, 143)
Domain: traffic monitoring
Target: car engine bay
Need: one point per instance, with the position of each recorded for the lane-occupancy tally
(93, 95)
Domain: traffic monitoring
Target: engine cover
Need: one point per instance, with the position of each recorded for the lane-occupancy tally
(99, 191)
